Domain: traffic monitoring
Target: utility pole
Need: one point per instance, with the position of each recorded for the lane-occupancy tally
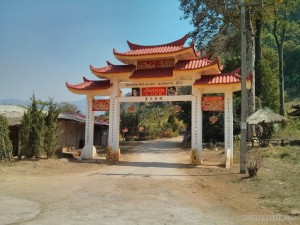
(243, 147)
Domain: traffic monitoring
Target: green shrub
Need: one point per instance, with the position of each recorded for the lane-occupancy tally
(33, 131)
(5, 142)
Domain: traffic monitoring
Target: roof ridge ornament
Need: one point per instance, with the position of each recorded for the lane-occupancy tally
(85, 80)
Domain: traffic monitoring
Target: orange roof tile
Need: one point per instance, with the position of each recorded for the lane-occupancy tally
(196, 64)
(172, 47)
(153, 50)
(223, 78)
(110, 68)
(153, 73)
(191, 64)
(90, 84)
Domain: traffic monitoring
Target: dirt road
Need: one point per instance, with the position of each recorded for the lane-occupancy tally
(152, 184)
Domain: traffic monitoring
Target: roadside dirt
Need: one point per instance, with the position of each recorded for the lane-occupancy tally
(153, 183)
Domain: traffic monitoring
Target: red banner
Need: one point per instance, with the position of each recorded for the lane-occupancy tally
(154, 91)
(101, 105)
(213, 103)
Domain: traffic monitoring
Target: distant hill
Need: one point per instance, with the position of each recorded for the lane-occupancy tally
(11, 101)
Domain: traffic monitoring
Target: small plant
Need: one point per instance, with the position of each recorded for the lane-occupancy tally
(253, 165)
(109, 153)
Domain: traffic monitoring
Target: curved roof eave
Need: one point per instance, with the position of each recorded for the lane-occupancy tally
(179, 42)
(235, 86)
(183, 54)
(90, 92)
(213, 67)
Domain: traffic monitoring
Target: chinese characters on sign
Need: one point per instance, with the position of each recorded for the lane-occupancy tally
(155, 64)
(156, 98)
(101, 105)
(213, 103)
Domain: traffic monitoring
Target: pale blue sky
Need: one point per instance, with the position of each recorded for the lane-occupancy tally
(44, 43)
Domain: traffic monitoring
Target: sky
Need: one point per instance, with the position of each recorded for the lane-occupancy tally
(44, 43)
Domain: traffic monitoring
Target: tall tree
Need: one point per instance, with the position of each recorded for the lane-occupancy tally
(269, 69)
(51, 132)
(279, 32)
(5, 142)
(33, 130)
(220, 20)
(281, 26)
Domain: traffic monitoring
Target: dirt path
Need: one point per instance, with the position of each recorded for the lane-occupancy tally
(153, 184)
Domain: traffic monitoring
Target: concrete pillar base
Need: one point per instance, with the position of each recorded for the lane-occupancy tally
(228, 158)
(115, 155)
(196, 157)
(231, 158)
(88, 152)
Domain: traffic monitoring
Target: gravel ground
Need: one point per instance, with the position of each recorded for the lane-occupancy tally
(152, 184)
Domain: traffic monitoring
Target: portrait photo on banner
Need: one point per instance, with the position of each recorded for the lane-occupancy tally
(135, 92)
(172, 90)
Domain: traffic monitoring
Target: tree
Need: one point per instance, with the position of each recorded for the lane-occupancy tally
(279, 32)
(51, 133)
(33, 130)
(129, 120)
(269, 91)
(220, 20)
(291, 67)
(281, 26)
(5, 142)
(66, 107)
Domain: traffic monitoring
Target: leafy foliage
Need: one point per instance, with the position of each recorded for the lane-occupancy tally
(217, 29)
(290, 130)
(33, 130)
(66, 107)
(5, 142)
(51, 132)
(209, 17)
(152, 120)
(39, 130)
(269, 91)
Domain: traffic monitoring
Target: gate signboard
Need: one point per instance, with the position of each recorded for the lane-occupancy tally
(101, 105)
(213, 103)
(154, 91)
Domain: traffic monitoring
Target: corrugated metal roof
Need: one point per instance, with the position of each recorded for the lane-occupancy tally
(77, 117)
(13, 113)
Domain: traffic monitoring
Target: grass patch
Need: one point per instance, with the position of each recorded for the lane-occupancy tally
(278, 181)
(290, 154)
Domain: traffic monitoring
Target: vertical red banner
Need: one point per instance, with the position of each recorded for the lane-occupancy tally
(213, 103)
(101, 105)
